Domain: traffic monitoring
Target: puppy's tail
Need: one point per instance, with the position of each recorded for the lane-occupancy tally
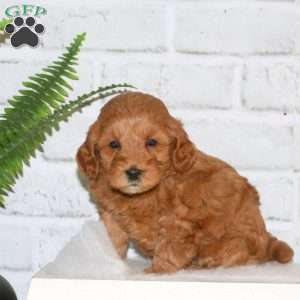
(279, 251)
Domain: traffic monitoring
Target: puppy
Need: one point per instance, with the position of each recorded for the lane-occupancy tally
(178, 205)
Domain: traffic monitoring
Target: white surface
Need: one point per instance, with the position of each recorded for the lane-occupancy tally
(60, 289)
(90, 255)
(89, 268)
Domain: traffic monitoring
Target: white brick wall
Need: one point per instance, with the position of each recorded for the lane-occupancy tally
(230, 70)
(272, 85)
(198, 86)
(237, 28)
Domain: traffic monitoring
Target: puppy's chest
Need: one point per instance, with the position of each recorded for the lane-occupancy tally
(139, 218)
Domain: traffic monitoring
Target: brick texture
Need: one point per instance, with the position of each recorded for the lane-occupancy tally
(198, 86)
(116, 26)
(272, 86)
(51, 237)
(271, 147)
(50, 189)
(237, 29)
(16, 246)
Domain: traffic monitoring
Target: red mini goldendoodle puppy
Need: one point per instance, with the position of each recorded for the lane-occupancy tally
(178, 205)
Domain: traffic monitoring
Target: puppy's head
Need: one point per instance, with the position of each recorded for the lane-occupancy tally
(134, 143)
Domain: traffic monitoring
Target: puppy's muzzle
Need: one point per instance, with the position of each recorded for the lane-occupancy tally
(133, 173)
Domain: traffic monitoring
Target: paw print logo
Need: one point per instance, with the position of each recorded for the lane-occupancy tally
(24, 33)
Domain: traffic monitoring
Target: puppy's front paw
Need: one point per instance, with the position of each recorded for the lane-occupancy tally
(122, 250)
(161, 266)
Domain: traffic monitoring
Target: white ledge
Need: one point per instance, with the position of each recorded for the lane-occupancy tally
(89, 268)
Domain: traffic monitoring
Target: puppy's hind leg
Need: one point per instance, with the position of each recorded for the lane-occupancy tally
(225, 253)
(170, 257)
(175, 248)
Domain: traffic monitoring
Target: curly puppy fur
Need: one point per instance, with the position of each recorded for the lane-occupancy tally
(178, 205)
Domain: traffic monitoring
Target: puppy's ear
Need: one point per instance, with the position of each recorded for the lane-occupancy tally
(183, 151)
(88, 156)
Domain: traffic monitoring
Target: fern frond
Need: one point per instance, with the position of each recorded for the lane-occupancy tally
(37, 110)
(20, 151)
(42, 93)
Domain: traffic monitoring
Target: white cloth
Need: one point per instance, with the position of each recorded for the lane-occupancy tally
(91, 255)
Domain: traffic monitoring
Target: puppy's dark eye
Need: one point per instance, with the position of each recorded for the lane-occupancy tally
(115, 144)
(151, 142)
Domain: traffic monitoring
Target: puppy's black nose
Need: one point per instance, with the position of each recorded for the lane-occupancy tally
(133, 173)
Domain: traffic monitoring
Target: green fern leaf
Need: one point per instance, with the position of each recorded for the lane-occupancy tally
(42, 94)
(37, 110)
(20, 150)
